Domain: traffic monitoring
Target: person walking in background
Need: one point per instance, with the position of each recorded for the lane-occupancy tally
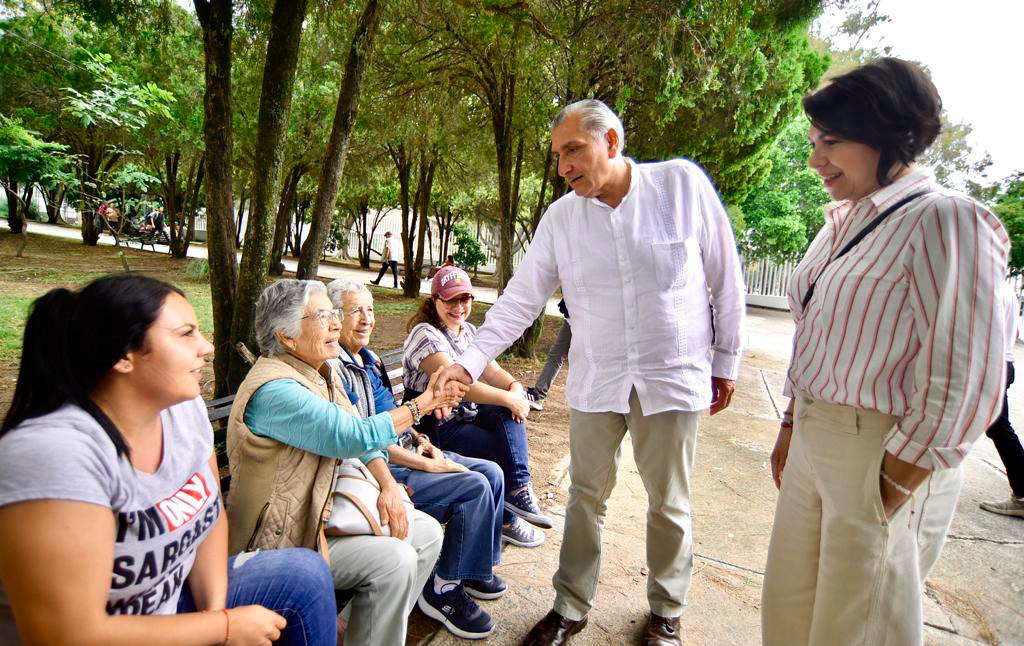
(1001, 432)
(538, 392)
(644, 357)
(896, 369)
(387, 262)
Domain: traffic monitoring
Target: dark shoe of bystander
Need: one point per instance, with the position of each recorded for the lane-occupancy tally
(553, 630)
(662, 631)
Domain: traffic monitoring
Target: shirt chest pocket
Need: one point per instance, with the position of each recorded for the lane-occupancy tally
(673, 261)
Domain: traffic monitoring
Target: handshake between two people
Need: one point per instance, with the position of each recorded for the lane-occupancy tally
(449, 385)
(446, 391)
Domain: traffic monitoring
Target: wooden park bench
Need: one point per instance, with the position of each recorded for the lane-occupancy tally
(151, 238)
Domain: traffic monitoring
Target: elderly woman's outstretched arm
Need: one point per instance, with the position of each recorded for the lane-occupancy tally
(285, 411)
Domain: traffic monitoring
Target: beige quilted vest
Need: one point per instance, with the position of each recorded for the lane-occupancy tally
(280, 496)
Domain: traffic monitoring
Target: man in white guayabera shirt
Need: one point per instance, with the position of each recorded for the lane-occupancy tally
(645, 257)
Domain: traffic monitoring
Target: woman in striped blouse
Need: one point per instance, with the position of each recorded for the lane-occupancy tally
(896, 369)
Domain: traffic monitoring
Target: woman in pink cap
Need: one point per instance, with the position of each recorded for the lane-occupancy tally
(490, 422)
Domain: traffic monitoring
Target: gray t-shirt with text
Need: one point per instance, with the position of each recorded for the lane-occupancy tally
(161, 518)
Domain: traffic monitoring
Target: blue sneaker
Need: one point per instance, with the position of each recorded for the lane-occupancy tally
(486, 590)
(456, 611)
(522, 502)
(520, 534)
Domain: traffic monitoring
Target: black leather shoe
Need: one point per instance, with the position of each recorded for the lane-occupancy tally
(662, 631)
(553, 630)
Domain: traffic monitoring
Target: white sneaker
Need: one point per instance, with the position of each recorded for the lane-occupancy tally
(1013, 506)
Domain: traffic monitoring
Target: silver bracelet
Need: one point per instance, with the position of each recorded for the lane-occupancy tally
(895, 485)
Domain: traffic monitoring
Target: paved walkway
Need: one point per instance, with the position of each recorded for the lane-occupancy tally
(483, 294)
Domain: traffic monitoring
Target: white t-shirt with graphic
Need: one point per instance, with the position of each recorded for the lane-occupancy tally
(161, 518)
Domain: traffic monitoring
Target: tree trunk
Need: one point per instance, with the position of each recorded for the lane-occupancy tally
(182, 228)
(364, 233)
(428, 163)
(87, 172)
(54, 200)
(299, 208)
(275, 106)
(172, 215)
(403, 164)
(215, 18)
(26, 201)
(283, 212)
(501, 123)
(240, 216)
(525, 346)
(337, 147)
(15, 219)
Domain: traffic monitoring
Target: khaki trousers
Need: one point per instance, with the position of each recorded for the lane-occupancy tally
(387, 576)
(663, 445)
(838, 572)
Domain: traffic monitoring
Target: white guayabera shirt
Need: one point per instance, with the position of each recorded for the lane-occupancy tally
(653, 287)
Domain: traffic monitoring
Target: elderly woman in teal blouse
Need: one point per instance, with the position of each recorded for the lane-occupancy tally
(290, 424)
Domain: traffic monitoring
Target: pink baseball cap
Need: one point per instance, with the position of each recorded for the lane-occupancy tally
(450, 282)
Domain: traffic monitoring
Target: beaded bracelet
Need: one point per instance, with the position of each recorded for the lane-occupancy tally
(414, 410)
(895, 485)
(227, 626)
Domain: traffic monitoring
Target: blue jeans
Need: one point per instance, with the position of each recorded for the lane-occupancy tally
(492, 435)
(468, 504)
(294, 583)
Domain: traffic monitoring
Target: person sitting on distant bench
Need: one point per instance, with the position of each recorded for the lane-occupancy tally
(154, 221)
(448, 262)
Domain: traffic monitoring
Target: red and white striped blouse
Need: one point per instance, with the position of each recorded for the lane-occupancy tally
(908, 322)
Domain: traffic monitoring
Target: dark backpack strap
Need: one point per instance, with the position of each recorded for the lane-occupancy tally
(857, 238)
(383, 374)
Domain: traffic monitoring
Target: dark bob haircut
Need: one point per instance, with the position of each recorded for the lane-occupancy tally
(888, 104)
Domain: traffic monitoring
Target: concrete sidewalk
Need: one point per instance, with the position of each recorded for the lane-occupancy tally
(975, 593)
(482, 294)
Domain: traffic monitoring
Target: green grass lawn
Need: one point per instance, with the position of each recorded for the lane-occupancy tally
(13, 312)
(54, 262)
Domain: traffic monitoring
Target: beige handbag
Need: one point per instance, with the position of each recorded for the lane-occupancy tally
(355, 512)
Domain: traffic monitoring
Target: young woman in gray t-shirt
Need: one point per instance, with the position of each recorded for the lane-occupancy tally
(110, 504)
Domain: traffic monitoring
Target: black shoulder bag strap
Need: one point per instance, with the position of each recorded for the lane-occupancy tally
(857, 238)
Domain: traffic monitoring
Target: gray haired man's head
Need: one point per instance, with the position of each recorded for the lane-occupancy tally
(338, 289)
(596, 118)
(281, 306)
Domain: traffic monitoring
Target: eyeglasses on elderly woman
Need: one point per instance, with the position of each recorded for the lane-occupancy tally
(326, 317)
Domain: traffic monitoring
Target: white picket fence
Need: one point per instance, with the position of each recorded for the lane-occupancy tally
(768, 281)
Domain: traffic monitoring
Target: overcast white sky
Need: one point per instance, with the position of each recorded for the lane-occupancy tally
(975, 51)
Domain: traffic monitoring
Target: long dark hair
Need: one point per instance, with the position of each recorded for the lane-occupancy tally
(73, 339)
(426, 313)
(889, 104)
